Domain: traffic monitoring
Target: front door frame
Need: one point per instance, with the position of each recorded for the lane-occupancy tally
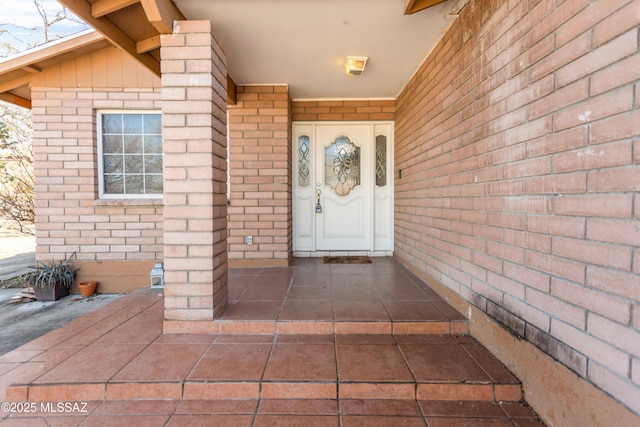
(304, 197)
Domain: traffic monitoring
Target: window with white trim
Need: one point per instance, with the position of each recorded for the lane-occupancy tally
(130, 150)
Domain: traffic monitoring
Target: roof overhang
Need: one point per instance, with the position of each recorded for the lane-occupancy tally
(16, 71)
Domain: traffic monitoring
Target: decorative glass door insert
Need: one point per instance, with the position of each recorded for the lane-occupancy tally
(342, 166)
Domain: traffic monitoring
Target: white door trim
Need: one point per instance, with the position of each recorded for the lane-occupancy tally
(380, 226)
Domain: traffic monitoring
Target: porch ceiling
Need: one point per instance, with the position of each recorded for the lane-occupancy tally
(304, 43)
(301, 43)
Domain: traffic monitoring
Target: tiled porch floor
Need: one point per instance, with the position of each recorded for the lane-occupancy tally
(310, 297)
(118, 360)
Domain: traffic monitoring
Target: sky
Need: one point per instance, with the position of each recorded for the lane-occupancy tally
(22, 24)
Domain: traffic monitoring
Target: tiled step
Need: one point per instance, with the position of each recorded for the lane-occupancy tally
(417, 367)
(192, 390)
(302, 327)
(284, 412)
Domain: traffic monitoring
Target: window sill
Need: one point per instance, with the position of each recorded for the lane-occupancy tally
(129, 202)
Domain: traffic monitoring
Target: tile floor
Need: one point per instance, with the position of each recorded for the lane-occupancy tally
(117, 360)
(311, 297)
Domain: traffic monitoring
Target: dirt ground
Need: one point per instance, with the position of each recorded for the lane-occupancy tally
(12, 242)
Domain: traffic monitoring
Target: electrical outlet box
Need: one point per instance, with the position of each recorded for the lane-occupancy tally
(249, 240)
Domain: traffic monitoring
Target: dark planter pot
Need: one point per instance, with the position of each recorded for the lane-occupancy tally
(52, 293)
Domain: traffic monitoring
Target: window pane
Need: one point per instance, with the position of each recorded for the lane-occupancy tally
(152, 144)
(133, 144)
(304, 154)
(133, 164)
(153, 164)
(152, 124)
(153, 184)
(113, 184)
(112, 123)
(131, 147)
(134, 184)
(133, 123)
(112, 144)
(113, 164)
(381, 160)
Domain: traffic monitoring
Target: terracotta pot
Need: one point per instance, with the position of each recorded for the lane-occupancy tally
(87, 288)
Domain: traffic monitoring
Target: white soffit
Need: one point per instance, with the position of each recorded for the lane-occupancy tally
(304, 43)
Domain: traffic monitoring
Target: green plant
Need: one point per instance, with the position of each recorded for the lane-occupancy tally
(47, 275)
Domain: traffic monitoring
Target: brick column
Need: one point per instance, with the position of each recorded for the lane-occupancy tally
(194, 94)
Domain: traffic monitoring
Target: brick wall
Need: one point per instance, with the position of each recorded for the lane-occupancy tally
(260, 169)
(518, 145)
(343, 110)
(194, 132)
(69, 216)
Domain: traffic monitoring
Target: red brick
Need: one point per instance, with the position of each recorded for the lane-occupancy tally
(558, 308)
(609, 53)
(614, 282)
(552, 184)
(582, 22)
(614, 180)
(526, 240)
(554, 18)
(567, 95)
(595, 108)
(615, 75)
(530, 167)
(615, 206)
(626, 338)
(614, 231)
(553, 265)
(593, 253)
(566, 54)
(558, 142)
(622, 20)
(530, 314)
(556, 225)
(527, 276)
(597, 350)
(593, 157)
(594, 301)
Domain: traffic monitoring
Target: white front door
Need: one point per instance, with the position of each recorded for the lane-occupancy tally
(338, 202)
(343, 187)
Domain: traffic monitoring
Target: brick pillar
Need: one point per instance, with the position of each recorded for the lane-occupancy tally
(194, 94)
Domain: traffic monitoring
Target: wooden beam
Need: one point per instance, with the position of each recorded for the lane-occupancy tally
(231, 91)
(83, 10)
(161, 14)
(16, 100)
(15, 83)
(31, 69)
(104, 7)
(413, 6)
(146, 45)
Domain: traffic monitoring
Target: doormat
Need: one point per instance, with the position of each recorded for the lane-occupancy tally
(346, 260)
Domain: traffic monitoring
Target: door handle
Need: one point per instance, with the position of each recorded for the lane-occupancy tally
(318, 206)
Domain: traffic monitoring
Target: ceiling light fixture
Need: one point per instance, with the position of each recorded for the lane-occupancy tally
(355, 65)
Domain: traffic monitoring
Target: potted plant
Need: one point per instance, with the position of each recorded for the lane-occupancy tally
(53, 280)
(87, 288)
